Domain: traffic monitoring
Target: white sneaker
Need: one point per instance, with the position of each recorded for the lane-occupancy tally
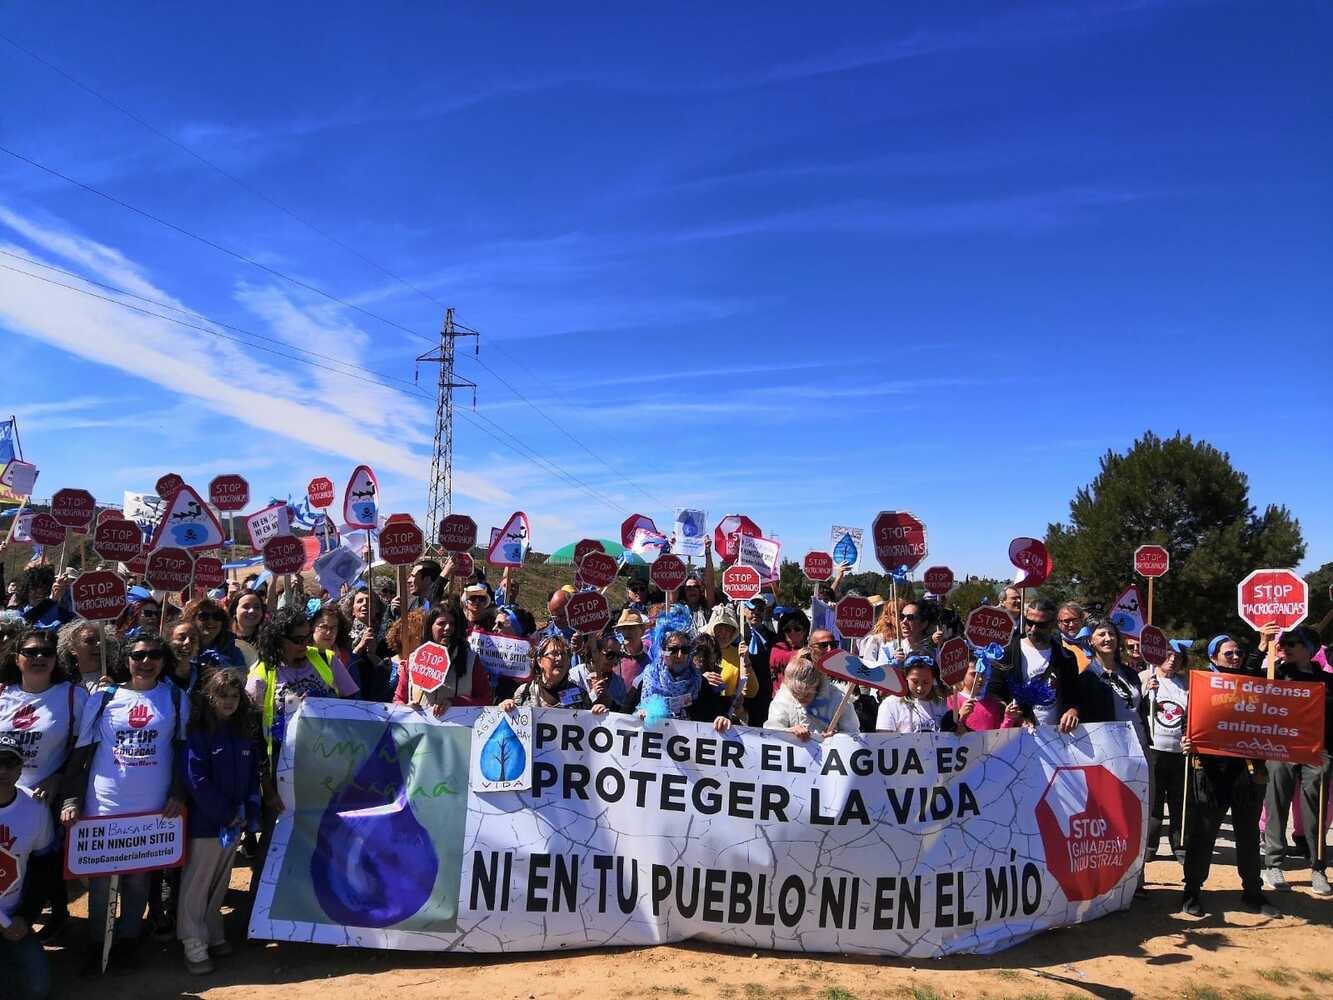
(1319, 884)
(196, 956)
(1275, 879)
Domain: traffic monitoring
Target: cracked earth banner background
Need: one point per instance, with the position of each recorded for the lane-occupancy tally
(632, 835)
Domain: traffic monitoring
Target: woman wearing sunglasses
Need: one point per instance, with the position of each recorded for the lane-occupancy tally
(550, 686)
(126, 762)
(41, 708)
(674, 686)
(215, 636)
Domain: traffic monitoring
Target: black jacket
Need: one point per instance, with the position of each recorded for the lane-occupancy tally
(1071, 690)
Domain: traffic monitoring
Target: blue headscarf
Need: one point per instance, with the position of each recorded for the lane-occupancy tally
(661, 688)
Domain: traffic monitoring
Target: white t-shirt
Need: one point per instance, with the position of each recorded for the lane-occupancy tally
(1036, 665)
(910, 715)
(1166, 711)
(43, 726)
(25, 828)
(131, 768)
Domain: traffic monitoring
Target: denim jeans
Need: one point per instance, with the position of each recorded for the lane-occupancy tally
(133, 900)
(27, 974)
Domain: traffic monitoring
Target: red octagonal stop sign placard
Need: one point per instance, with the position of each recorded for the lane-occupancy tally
(1151, 560)
(986, 625)
(588, 612)
(953, 658)
(458, 533)
(1153, 645)
(1273, 595)
(740, 583)
(73, 508)
(99, 595)
(117, 539)
(284, 554)
(668, 572)
(854, 617)
(585, 546)
(208, 572)
(900, 539)
(46, 530)
(462, 564)
(817, 566)
(168, 569)
(597, 569)
(228, 493)
(401, 543)
(938, 580)
(428, 666)
(320, 491)
(724, 534)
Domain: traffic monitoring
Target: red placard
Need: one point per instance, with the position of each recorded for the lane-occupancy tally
(167, 486)
(854, 617)
(320, 492)
(1151, 560)
(137, 566)
(229, 492)
(584, 547)
(208, 572)
(1237, 715)
(899, 538)
(168, 569)
(458, 533)
(284, 554)
(938, 580)
(1033, 561)
(817, 566)
(844, 666)
(401, 543)
(1272, 595)
(73, 508)
(724, 535)
(1153, 645)
(99, 595)
(107, 514)
(632, 524)
(953, 659)
(668, 572)
(588, 612)
(740, 583)
(117, 539)
(46, 530)
(462, 564)
(598, 569)
(428, 667)
(986, 625)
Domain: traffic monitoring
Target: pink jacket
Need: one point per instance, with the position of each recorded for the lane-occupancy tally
(986, 714)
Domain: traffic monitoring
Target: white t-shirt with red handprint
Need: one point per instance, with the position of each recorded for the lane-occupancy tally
(131, 768)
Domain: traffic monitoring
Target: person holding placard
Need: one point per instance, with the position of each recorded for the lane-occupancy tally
(885, 633)
(807, 701)
(1287, 781)
(126, 762)
(673, 687)
(1119, 695)
(79, 649)
(371, 662)
(595, 672)
(979, 715)
(924, 709)
(1218, 785)
(468, 684)
(41, 708)
(1034, 655)
(1167, 690)
(30, 832)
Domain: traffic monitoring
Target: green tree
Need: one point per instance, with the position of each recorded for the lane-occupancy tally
(1183, 495)
(968, 595)
(1319, 582)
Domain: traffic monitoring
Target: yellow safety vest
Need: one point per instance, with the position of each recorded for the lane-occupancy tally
(269, 676)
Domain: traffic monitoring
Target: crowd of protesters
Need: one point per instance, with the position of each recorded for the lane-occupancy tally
(221, 676)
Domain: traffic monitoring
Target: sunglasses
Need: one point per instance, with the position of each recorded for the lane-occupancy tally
(33, 652)
(1029, 623)
(910, 618)
(212, 616)
(676, 650)
(478, 599)
(826, 644)
(139, 655)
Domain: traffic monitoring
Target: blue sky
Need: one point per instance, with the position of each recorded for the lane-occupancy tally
(772, 261)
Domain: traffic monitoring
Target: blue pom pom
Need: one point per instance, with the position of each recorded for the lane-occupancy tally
(654, 709)
(1033, 693)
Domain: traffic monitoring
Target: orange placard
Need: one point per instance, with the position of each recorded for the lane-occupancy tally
(1239, 715)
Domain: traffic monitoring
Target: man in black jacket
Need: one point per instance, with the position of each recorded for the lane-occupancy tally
(1033, 654)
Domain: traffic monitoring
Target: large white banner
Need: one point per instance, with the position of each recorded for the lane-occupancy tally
(632, 834)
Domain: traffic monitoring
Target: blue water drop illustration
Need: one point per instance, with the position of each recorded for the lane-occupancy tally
(845, 550)
(365, 511)
(373, 864)
(502, 756)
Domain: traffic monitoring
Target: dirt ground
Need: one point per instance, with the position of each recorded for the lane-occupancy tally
(1150, 951)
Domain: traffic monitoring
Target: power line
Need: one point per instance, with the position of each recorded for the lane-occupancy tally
(211, 244)
(517, 445)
